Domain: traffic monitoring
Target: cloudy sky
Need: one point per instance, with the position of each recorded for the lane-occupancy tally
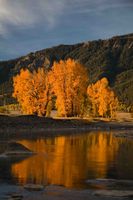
(30, 25)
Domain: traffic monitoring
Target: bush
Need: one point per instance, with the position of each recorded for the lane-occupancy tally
(3, 109)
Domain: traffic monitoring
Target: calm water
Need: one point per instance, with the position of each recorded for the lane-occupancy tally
(71, 161)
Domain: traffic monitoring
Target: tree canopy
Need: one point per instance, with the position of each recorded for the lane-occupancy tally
(104, 102)
(69, 83)
(32, 91)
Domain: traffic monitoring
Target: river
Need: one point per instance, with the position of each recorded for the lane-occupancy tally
(80, 161)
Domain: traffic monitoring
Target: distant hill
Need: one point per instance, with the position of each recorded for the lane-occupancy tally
(112, 58)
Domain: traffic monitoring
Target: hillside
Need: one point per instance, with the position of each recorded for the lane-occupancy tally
(112, 58)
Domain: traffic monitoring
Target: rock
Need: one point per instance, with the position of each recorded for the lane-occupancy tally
(114, 193)
(15, 197)
(14, 148)
(101, 180)
(34, 187)
(3, 155)
(111, 183)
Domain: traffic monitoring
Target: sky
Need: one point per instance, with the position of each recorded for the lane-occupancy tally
(30, 25)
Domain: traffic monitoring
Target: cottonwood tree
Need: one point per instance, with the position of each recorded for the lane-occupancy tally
(104, 102)
(32, 91)
(69, 83)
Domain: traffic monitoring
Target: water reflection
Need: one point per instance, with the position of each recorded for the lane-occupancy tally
(70, 160)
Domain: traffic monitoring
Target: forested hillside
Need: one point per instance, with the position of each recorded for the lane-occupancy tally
(112, 58)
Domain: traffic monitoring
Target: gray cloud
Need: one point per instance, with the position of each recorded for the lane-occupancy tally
(29, 12)
(96, 6)
(29, 25)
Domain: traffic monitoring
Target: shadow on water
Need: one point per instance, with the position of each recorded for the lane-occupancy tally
(6, 163)
(74, 161)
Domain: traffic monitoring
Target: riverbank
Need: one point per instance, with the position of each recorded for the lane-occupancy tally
(25, 124)
(54, 192)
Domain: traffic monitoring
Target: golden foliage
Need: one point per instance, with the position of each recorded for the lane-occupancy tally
(104, 102)
(32, 91)
(69, 83)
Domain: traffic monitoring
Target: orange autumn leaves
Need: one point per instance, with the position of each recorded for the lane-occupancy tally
(104, 102)
(67, 81)
(32, 91)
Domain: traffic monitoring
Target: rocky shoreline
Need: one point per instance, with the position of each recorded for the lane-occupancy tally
(53, 192)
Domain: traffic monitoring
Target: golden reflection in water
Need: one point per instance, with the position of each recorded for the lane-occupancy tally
(67, 160)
